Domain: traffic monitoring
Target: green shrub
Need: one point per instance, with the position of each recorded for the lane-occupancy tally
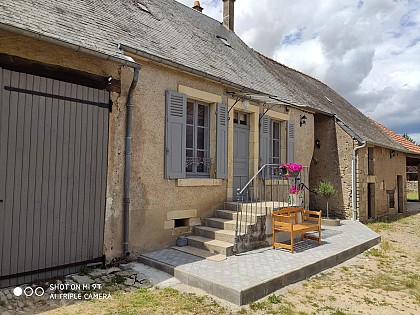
(326, 190)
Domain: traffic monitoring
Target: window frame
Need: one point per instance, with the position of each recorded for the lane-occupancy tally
(279, 140)
(193, 163)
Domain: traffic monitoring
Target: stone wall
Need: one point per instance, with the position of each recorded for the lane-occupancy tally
(388, 164)
(332, 163)
(413, 186)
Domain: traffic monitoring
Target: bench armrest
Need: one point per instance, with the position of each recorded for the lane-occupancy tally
(318, 213)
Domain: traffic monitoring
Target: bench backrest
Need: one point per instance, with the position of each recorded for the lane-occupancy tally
(296, 215)
(289, 214)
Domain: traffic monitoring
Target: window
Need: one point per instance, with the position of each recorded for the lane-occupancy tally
(276, 142)
(197, 137)
(187, 138)
(391, 198)
(240, 118)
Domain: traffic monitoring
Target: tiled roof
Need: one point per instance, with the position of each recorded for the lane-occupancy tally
(400, 139)
(318, 95)
(185, 37)
(171, 31)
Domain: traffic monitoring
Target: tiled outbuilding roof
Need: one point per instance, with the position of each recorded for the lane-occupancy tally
(400, 139)
(169, 31)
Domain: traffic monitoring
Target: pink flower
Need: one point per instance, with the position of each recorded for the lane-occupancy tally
(294, 189)
(290, 168)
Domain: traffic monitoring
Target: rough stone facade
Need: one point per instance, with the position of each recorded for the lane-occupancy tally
(332, 163)
(388, 164)
(412, 186)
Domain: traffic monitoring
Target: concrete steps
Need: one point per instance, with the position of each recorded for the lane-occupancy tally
(215, 233)
(218, 234)
(221, 223)
(231, 215)
(212, 245)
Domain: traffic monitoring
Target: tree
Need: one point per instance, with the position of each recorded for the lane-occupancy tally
(326, 190)
(406, 136)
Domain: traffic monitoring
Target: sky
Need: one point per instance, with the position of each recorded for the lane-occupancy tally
(368, 51)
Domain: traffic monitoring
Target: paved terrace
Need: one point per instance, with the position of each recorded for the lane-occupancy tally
(252, 275)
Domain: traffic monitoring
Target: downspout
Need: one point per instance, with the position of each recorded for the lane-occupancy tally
(127, 160)
(354, 178)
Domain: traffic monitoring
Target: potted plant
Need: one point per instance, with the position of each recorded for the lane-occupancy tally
(295, 195)
(326, 190)
(290, 169)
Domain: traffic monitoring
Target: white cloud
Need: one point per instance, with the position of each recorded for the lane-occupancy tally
(297, 57)
(415, 137)
(367, 50)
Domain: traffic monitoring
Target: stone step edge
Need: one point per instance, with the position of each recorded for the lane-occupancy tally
(194, 237)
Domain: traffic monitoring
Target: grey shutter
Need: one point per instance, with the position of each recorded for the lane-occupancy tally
(222, 141)
(175, 142)
(290, 142)
(265, 145)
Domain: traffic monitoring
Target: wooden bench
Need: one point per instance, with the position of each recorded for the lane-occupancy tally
(296, 221)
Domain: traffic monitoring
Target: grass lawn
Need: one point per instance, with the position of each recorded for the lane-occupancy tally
(383, 280)
(412, 196)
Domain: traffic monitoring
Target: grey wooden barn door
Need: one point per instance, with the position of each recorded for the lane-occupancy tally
(53, 166)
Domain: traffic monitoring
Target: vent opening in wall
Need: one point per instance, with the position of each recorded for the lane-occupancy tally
(181, 223)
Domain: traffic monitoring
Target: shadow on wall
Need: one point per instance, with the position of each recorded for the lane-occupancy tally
(325, 166)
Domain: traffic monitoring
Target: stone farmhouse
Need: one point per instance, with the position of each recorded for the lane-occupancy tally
(124, 124)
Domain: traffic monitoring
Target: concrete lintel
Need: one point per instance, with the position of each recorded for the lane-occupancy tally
(181, 214)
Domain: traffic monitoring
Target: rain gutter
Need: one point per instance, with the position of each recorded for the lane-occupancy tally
(124, 60)
(127, 160)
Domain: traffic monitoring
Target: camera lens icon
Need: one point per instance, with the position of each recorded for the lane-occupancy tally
(29, 291)
(17, 291)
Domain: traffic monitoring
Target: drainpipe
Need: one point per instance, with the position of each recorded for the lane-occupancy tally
(354, 178)
(127, 160)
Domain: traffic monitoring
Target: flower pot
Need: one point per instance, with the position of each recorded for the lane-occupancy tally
(295, 200)
(289, 174)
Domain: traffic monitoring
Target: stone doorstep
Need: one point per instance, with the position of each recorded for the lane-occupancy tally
(215, 233)
(226, 224)
(231, 215)
(212, 245)
(260, 289)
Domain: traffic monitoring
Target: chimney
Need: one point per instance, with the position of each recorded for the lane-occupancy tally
(228, 13)
(197, 6)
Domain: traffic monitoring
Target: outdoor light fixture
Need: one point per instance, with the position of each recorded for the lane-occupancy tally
(391, 154)
(318, 144)
(303, 120)
(245, 104)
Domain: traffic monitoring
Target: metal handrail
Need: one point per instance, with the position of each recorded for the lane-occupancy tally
(266, 189)
(240, 191)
